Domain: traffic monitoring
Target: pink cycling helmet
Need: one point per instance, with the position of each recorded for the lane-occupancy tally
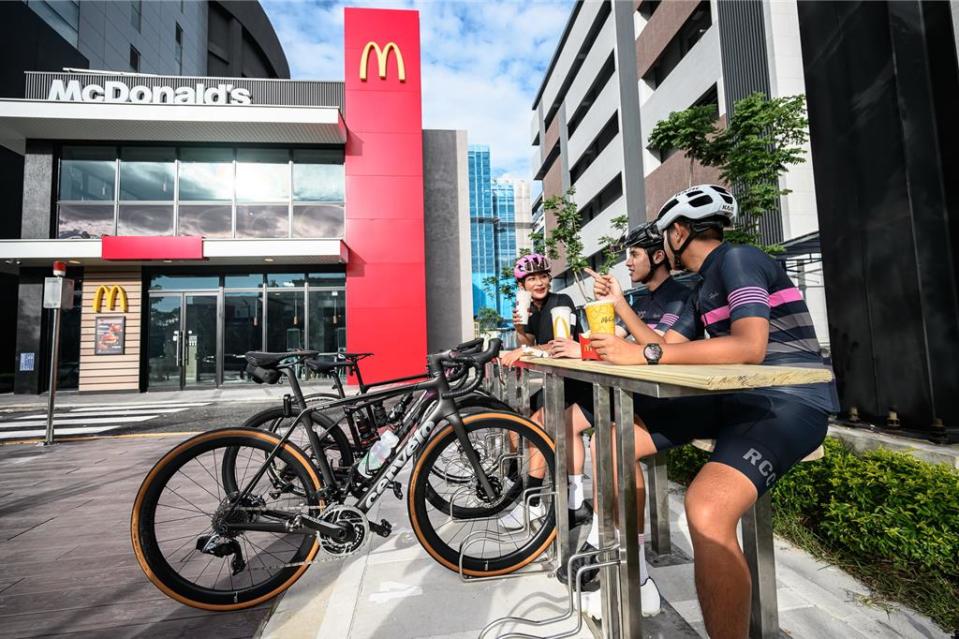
(529, 264)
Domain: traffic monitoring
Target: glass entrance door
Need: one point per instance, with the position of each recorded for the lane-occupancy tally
(182, 340)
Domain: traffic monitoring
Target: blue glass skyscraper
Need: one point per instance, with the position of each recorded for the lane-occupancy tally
(492, 229)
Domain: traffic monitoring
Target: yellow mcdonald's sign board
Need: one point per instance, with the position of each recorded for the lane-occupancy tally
(382, 58)
(111, 293)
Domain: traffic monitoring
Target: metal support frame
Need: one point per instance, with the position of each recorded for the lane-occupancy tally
(555, 419)
(630, 520)
(757, 524)
(658, 498)
(603, 474)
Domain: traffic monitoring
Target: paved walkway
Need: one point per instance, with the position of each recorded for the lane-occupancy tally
(68, 569)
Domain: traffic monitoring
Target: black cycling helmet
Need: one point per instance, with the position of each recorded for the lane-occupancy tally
(646, 236)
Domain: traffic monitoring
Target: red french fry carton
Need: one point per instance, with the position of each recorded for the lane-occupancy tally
(588, 352)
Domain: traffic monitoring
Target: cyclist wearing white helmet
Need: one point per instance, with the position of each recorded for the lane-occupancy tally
(754, 315)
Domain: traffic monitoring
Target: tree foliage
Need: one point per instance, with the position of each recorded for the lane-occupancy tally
(763, 138)
(613, 245)
(566, 235)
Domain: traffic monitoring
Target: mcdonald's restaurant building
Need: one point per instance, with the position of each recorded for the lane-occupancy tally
(204, 217)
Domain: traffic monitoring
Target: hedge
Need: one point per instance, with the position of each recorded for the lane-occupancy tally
(887, 518)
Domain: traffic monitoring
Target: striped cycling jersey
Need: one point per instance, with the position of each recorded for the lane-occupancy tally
(660, 309)
(741, 281)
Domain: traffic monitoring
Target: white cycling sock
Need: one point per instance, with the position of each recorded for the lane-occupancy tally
(643, 570)
(576, 494)
(593, 537)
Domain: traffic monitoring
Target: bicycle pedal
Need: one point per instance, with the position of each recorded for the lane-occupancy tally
(397, 490)
(383, 529)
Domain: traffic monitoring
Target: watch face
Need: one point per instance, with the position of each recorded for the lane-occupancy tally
(653, 352)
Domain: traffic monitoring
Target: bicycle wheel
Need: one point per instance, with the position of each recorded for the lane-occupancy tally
(182, 513)
(442, 535)
(336, 445)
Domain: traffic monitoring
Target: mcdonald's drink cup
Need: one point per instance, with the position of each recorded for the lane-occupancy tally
(523, 300)
(601, 317)
(561, 315)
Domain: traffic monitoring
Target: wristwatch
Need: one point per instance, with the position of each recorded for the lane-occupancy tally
(653, 353)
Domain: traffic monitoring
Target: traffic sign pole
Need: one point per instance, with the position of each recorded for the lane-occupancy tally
(59, 271)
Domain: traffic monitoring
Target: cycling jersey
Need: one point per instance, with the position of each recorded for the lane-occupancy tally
(540, 323)
(659, 309)
(741, 281)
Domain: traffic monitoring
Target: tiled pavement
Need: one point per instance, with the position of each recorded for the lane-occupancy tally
(67, 569)
(66, 564)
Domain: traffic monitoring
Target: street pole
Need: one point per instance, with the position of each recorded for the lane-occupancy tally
(54, 367)
(57, 295)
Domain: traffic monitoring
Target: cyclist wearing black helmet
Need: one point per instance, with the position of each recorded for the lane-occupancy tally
(754, 315)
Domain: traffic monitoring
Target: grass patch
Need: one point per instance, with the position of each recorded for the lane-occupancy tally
(887, 518)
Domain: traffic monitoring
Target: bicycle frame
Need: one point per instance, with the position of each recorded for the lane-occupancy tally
(443, 408)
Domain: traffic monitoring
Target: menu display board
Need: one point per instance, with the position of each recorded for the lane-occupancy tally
(110, 335)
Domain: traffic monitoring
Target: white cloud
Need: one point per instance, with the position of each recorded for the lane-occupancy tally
(483, 62)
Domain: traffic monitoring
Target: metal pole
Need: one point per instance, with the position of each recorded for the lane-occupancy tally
(54, 366)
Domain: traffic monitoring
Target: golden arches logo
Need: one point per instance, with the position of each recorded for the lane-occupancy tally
(112, 293)
(382, 58)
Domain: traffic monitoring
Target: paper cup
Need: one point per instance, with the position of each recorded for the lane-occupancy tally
(601, 317)
(560, 316)
(523, 301)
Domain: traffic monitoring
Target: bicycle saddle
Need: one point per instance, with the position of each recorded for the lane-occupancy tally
(324, 365)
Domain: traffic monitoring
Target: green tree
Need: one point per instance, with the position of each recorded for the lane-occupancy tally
(762, 139)
(613, 245)
(539, 244)
(566, 235)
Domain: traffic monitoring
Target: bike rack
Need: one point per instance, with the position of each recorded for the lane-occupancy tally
(574, 600)
(486, 535)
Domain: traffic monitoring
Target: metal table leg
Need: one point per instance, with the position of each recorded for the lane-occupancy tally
(629, 526)
(523, 408)
(658, 497)
(758, 548)
(555, 420)
(511, 388)
(603, 474)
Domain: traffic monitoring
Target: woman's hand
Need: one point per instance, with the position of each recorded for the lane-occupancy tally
(510, 358)
(565, 348)
(617, 350)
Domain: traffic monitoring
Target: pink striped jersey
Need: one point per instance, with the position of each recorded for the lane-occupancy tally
(740, 281)
(660, 309)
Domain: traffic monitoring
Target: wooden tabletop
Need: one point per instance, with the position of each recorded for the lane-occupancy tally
(709, 377)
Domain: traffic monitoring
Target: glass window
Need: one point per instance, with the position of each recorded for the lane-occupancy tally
(262, 220)
(178, 48)
(285, 320)
(134, 59)
(136, 13)
(262, 175)
(145, 219)
(80, 221)
(285, 279)
(147, 173)
(183, 282)
(242, 331)
(318, 175)
(88, 173)
(243, 281)
(318, 220)
(327, 321)
(206, 174)
(332, 278)
(208, 220)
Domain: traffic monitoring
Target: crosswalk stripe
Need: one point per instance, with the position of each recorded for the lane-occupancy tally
(20, 434)
(140, 406)
(109, 413)
(77, 420)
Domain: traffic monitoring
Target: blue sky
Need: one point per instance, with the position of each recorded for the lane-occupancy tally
(482, 62)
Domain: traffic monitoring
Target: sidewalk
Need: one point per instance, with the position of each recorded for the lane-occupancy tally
(68, 569)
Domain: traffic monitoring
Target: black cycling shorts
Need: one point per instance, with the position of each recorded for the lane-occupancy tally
(574, 392)
(759, 435)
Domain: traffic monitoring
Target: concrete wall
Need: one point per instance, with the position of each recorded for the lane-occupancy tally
(37, 191)
(449, 318)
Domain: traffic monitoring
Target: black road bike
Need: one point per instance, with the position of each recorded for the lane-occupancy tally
(231, 518)
(362, 422)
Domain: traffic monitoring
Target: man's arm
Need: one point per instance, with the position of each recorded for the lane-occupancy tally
(606, 287)
(746, 344)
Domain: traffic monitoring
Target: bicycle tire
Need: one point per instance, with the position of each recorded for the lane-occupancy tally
(418, 505)
(143, 522)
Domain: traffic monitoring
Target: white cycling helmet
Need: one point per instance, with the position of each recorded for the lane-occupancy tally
(707, 203)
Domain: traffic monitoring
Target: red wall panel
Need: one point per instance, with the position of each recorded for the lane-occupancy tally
(386, 274)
